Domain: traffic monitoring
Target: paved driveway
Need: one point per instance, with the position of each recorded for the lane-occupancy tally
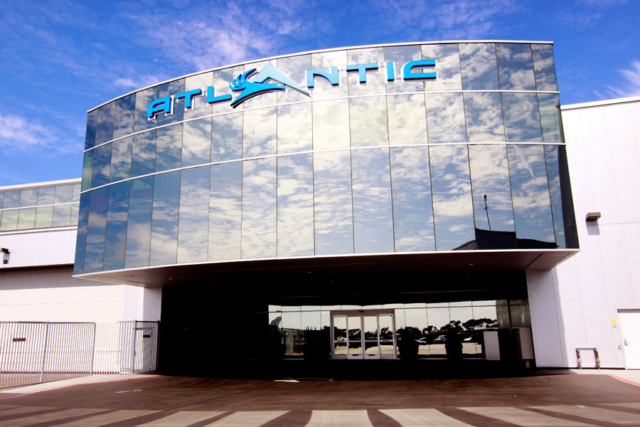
(550, 400)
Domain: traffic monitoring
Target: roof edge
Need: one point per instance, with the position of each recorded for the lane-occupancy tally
(41, 184)
(601, 103)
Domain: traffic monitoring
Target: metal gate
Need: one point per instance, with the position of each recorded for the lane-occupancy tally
(36, 352)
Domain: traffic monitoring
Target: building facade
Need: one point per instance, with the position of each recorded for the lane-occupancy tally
(338, 204)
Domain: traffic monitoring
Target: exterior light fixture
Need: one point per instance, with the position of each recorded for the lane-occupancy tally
(593, 216)
(5, 255)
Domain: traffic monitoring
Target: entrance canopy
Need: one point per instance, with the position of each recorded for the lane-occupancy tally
(413, 264)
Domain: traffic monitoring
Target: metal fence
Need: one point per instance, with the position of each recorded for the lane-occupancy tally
(36, 352)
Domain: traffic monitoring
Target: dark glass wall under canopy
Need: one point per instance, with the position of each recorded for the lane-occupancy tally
(367, 161)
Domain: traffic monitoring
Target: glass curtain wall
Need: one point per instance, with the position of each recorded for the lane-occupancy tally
(362, 161)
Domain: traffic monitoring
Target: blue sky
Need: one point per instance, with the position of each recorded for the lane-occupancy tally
(61, 58)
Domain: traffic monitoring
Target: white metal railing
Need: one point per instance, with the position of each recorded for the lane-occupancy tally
(36, 352)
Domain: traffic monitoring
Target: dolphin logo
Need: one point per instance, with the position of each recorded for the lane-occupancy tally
(258, 85)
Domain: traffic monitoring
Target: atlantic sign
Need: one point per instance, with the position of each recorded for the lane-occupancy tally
(271, 79)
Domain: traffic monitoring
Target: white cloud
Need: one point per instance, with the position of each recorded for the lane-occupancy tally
(220, 35)
(138, 81)
(18, 131)
(460, 19)
(631, 84)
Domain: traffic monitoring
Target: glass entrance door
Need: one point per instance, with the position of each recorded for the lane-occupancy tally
(363, 334)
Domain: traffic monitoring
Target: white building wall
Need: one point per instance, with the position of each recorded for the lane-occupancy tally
(603, 148)
(37, 284)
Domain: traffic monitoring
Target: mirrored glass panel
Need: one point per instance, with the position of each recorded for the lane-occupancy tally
(26, 218)
(139, 222)
(447, 59)
(332, 203)
(62, 215)
(416, 320)
(196, 142)
(12, 199)
(550, 116)
(121, 159)
(87, 166)
(295, 206)
(226, 137)
(295, 68)
(170, 89)
(104, 123)
(515, 66)
(1, 198)
(222, 79)
(101, 165)
(143, 99)
(76, 193)
(407, 119)
(94, 255)
(199, 105)
(46, 196)
(522, 117)
(372, 210)
(553, 173)
(452, 202)
(64, 194)
(545, 67)
(116, 229)
(323, 89)
(368, 121)
(412, 206)
(259, 208)
(44, 216)
(164, 218)
(375, 78)
(168, 148)
(144, 154)
(259, 133)
(531, 201)
(331, 125)
(9, 220)
(124, 116)
(478, 66)
(445, 114)
(74, 214)
(400, 55)
(225, 211)
(294, 128)
(483, 112)
(193, 235)
(493, 210)
(29, 197)
(90, 138)
(81, 241)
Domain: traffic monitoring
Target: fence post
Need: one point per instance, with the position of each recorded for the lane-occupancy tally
(135, 336)
(44, 353)
(93, 350)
